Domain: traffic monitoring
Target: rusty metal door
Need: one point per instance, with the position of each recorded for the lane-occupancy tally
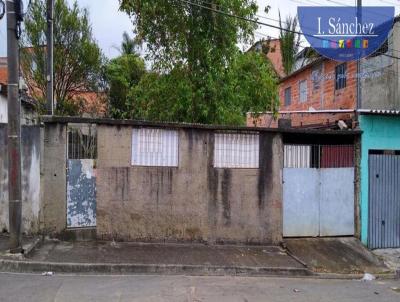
(81, 193)
(384, 201)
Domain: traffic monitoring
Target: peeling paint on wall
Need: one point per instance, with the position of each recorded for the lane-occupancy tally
(30, 178)
(81, 193)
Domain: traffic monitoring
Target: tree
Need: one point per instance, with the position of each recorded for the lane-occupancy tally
(128, 45)
(123, 74)
(248, 84)
(77, 57)
(289, 42)
(201, 42)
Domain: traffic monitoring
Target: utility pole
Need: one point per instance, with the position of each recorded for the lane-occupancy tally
(50, 57)
(358, 101)
(14, 127)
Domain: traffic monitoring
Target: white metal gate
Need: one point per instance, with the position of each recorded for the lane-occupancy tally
(318, 201)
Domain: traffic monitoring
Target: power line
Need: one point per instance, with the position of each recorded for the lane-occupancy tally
(258, 22)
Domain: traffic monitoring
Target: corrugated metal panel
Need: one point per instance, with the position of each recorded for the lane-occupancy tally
(235, 150)
(337, 202)
(81, 193)
(340, 156)
(384, 201)
(155, 147)
(300, 202)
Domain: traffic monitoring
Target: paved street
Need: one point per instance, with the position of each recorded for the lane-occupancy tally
(27, 287)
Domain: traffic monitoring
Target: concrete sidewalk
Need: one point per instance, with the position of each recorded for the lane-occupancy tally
(332, 257)
(193, 259)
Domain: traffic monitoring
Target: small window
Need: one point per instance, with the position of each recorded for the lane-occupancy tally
(316, 77)
(288, 96)
(303, 91)
(154, 147)
(340, 76)
(235, 150)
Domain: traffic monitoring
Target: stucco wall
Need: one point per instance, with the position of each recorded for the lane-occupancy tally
(30, 178)
(379, 133)
(191, 202)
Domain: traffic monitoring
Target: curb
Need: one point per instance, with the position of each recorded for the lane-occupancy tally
(163, 269)
(28, 249)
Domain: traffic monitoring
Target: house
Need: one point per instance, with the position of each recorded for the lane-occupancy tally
(29, 113)
(322, 93)
(318, 93)
(272, 49)
(90, 103)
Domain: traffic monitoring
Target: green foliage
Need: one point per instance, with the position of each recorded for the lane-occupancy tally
(178, 32)
(123, 74)
(77, 57)
(248, 84)
(201, 75)
(289, 42)
(128, 45)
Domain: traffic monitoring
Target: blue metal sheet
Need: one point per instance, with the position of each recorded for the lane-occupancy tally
(337, 202)
(81, 193)
(300, 202)
(384, 201)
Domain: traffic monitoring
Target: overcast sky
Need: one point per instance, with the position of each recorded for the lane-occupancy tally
(109, 23)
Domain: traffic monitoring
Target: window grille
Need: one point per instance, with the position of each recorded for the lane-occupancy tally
(318, 156)
(303, 91)
(288, 96)
(82, 142)
(316, 77)
(340, 76)
(155, 147)
(236, 150)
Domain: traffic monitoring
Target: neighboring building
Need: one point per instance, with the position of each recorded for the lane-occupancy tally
(272, 49)
(380, 159)
(308, 100)
(93, 104)
(318, 93)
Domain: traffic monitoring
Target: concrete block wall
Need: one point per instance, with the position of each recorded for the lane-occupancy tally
(192, 202)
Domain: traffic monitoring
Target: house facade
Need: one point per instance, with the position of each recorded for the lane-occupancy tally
(322, 93)
(318, 93)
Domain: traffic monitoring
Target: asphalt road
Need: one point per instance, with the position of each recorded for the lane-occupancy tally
(29, 287)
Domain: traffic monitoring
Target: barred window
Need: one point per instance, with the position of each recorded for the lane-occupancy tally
(288, 96)
(235, 150)
(155, 147)
(82, 141)
(340, 76)
(303, 91)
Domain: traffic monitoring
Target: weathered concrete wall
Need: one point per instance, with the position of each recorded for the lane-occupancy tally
(3, 179)
(53, 170)
(30, 178)
(382, 92)
(191, 202)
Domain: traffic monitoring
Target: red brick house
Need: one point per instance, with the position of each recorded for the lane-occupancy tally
(318, 93)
